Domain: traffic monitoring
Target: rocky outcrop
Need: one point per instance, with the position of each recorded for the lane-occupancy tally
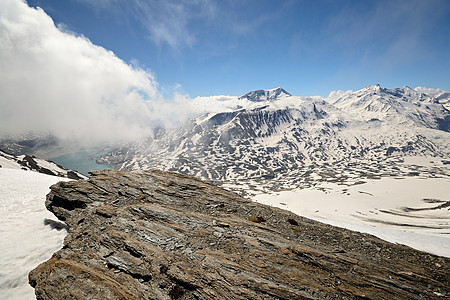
(31, 162)
(160, 235)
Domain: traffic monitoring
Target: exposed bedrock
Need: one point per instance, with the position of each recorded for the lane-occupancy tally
(162, 235)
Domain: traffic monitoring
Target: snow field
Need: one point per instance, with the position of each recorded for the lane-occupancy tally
(403, 211)
(25, 241)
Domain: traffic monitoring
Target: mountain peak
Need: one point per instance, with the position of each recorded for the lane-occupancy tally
(264, 95)
(372, 88)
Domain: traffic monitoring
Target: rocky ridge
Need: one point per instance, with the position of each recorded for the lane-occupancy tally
(285, 142)
(32, 163)
(163, 235)
(264, 95)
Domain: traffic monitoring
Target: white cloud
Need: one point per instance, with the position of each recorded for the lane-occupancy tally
(58, 83)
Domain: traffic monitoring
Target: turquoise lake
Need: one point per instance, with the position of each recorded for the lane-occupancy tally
(79, 161)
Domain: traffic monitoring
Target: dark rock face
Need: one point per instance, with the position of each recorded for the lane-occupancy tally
(160, 235)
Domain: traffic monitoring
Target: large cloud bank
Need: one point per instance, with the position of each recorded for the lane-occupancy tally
(57, 83)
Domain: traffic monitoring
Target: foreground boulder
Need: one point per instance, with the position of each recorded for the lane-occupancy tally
(161, 235)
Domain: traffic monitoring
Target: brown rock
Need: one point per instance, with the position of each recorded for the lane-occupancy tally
(161, 235)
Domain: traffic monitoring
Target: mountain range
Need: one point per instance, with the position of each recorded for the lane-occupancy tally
(275, 141)
(264, 141)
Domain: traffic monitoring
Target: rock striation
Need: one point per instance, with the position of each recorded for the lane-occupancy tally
(162, 235)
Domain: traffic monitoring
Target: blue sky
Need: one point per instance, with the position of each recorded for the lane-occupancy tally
(203, 47)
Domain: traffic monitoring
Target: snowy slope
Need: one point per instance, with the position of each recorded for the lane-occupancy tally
(403, 106)
(295, 142)
(441, 96)
(32, 163)
(29, 234)
(411, 210)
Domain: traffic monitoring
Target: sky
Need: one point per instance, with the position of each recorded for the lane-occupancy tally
(207, 47)
(112, 69)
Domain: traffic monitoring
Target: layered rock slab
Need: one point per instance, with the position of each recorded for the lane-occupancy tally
(162, 235)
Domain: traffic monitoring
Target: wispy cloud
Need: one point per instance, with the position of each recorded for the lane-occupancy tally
(193, 23)
(58, 83)
(167, 22)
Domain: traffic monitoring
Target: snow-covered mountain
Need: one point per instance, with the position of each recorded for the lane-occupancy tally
(400, 106)
(440, 95)
(280, 141)
(263, 95)
(331, 148)
(27, 162)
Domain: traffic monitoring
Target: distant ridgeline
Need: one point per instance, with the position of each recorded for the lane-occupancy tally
(264, 95)
(270, 140)
(273, 140)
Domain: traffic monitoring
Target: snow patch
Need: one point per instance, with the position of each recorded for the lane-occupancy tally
(411, 211)
(26, 240)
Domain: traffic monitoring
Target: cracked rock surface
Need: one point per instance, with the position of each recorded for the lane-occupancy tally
(162, 235)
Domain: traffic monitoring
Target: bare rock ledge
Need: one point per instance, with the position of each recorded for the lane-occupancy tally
(162, 235)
